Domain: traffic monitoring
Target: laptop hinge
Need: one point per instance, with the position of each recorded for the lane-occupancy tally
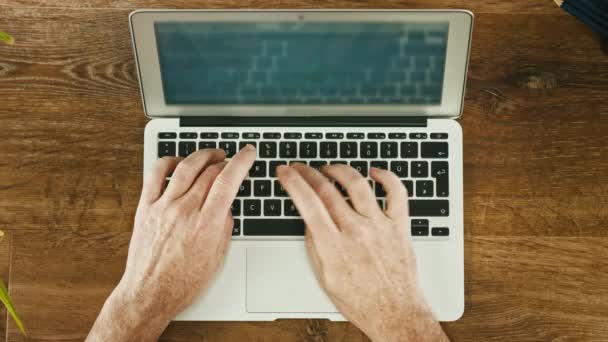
(316, 121)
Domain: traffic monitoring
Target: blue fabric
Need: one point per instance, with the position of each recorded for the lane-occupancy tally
(594, 13)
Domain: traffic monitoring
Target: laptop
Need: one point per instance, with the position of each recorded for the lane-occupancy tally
(366, 88)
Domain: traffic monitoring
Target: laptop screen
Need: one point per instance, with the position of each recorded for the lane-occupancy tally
(291, 63)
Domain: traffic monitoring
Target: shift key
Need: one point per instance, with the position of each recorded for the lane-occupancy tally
(429, 208)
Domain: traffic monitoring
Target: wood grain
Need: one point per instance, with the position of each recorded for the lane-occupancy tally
(536, 171)
(493, 6)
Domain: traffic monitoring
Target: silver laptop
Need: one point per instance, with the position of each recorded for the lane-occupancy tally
(363, 88)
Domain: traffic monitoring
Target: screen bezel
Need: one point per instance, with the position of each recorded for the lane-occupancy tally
(146, 55)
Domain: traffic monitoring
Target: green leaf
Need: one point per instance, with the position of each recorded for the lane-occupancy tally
(5, 37)
(6, 300)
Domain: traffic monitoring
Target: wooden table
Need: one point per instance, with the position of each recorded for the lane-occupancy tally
(536, 171)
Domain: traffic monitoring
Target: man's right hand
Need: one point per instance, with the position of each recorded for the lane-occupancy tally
(362, 255)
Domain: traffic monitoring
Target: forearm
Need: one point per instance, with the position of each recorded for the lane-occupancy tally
(124, 319)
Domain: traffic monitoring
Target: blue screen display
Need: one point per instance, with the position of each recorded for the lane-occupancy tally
(301, 63)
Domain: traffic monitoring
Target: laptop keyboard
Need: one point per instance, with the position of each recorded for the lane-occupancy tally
(263, 208)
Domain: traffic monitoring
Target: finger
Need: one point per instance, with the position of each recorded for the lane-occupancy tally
(227, 183)
(309, 205)
(396, 194)
(199, 190)
(155, 180)
(358, 189)
(336, 205)
(189, 169)
(222, 246)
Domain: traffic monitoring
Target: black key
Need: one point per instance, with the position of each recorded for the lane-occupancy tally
(409, 186)
(420, 227)
(187, 135)
(186, 148)
(258, 169)
(329, 149)
(292, 135)
(355, 135)
(272, 167)
(439, 135)
(209, 135)
(429, 208)
(166, 148)
(289, 209)
(236, 229)
(376, 135)
(420, 169)
(344, 162)
(440, 231)
(334, 135)
(360, 166)
(348, 149)
(417, 135)
(235, 208)
(317, 164)
(206, 144)
(380, 203)
(230, 135)
(369, 149)
(399, 168)
(397, 135)
(261, 188)
(434, 149)
(167, 135)
(244, 189)
(268, 149)
(424, 188)
(380, 190)
(278, 190)
(229, 147)
(251, 135)
(273, 227)
(245, 143)
(272, 135)
(308, 149)
(388, 150)
(272, 207)
(409, 149)
(252, 207)
(379, 164)
(288, 149)
(439, 170)
(341, 189)
(313, 136)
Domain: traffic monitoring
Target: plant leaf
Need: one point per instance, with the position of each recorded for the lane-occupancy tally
(5, 37)
(6, 300)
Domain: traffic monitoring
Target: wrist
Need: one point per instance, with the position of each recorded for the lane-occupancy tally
(412, 323)
(125, 316)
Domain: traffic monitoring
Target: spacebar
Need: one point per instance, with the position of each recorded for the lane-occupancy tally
(429, 208)
(289, 227)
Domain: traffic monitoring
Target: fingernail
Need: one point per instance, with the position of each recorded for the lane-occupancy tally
(249, 147)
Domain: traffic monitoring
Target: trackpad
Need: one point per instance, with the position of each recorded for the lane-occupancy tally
(280, 279)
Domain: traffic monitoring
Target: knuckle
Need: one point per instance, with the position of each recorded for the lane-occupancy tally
(222, 182)
(325, 190)
(360, 184)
